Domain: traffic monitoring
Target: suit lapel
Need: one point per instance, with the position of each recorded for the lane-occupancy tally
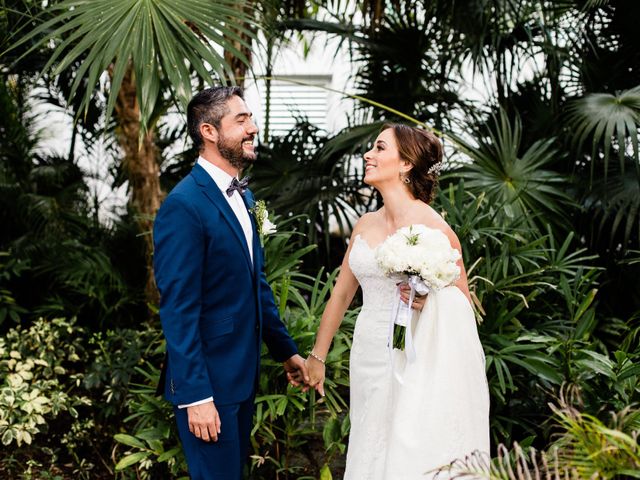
(250, 202)
(213, 193)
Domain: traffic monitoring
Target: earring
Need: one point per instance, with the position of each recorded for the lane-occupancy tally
(405, 178)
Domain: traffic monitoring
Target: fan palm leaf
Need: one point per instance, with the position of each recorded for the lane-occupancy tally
(604, 117)
(614, 203)
(160, 40)
(517, 184)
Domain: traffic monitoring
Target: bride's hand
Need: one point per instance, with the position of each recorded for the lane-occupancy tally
(316, 374)
(418, 300)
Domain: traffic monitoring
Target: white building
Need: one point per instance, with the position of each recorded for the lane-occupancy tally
(305, 86)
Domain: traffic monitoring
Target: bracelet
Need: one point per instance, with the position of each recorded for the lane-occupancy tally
(316, 357)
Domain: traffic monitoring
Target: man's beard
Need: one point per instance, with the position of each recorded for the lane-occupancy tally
(235, 154)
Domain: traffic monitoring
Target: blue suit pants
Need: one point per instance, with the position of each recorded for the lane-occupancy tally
(226, 458)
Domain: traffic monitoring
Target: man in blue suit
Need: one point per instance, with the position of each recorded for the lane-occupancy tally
(216, 305)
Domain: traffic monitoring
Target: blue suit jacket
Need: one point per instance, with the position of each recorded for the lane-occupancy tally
(215, 305)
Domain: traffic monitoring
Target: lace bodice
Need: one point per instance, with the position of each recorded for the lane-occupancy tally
(378, 291)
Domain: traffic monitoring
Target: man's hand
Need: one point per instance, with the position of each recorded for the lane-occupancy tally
(297, 373)
(204, 421)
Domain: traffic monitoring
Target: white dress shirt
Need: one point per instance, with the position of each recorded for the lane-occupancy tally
(223, 180)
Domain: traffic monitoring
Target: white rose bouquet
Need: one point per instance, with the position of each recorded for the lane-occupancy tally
(423, 258)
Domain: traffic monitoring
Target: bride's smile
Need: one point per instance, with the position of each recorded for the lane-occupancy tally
(383, 164)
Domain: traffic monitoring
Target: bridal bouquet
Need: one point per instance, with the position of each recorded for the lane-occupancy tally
(423, 258)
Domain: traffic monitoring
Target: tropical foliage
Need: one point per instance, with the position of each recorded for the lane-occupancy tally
(538, 104)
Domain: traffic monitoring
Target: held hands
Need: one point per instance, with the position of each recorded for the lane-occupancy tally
(308, 373)
(418, 301)
(204, 421)
(316, 373)
(297, 373)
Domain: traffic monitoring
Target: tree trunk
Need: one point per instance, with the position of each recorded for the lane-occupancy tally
(142, 170)
(237, 66)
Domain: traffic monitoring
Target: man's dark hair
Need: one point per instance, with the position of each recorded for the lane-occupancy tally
(208, 106)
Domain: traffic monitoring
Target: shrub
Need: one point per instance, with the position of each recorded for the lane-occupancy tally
(41, 390)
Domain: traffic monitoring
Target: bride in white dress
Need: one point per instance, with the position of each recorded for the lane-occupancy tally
(407, 418)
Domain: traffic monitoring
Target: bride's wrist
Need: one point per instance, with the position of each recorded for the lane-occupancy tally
(314, 355)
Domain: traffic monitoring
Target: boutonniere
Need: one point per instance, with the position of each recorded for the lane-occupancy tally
(265, 226)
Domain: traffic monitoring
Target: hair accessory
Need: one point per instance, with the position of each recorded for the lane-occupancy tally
(435, 169)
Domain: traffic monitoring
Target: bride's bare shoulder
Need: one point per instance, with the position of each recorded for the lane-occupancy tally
(366, 221)
(432, 219)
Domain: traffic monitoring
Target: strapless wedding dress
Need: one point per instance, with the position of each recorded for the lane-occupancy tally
(409, 418)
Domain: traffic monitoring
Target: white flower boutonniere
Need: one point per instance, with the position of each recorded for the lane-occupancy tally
(265, 226)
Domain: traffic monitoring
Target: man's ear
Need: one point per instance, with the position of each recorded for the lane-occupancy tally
(209, 132)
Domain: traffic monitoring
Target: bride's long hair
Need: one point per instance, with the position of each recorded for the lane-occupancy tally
(424, 151)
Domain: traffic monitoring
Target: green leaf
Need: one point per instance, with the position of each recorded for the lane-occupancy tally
(7, 436)
(586, 303)
(150, 434)
(129, 440)
(629, 371)
(331, 431)
(630, 473)
(169, 454)
(597, 365)
(131, 460)
(541, 368)
(325, 473)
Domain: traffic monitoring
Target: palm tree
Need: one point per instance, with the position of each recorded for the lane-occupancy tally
(151, 52)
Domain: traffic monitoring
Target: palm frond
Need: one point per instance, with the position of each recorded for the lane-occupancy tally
(592, 449)
(585, 448)
(613, 207)
(605, 118)
(516, 181)
(159, 40)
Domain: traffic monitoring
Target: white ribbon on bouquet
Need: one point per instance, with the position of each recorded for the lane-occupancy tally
(401, 314)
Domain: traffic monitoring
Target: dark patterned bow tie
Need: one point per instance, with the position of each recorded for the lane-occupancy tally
(240, 186)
